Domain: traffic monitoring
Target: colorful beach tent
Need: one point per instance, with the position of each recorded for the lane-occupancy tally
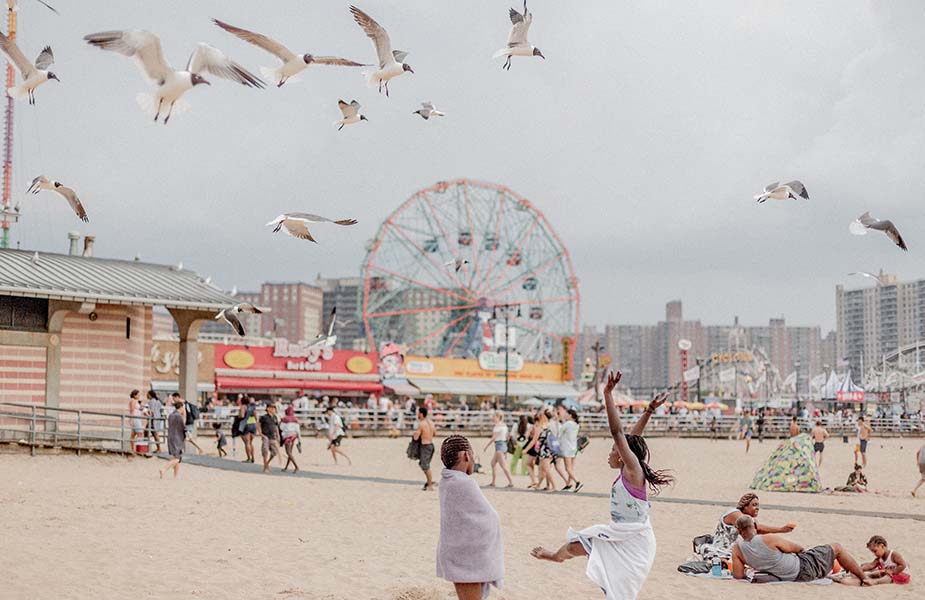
(790, 468)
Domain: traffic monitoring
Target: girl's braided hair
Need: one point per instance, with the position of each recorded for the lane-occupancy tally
(450, 449)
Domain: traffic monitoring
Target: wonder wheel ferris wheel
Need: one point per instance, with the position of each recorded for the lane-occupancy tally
(459, 260)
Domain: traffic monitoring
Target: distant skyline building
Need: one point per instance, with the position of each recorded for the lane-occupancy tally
(649, 358)
(346, 293)
(295, 310)
(875, 321)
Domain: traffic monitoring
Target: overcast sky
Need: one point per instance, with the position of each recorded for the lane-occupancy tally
(642, 137)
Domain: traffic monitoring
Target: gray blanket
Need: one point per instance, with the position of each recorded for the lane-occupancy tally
(470, 548)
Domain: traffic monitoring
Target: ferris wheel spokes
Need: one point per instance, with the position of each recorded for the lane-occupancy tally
(440, 330)
(499, 218)
(459, 336)
(533, 272)
(416, 311)
(441, 268)
(420, 283)
(490, 285)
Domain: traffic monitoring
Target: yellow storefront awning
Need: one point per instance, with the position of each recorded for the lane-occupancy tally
(492, 387)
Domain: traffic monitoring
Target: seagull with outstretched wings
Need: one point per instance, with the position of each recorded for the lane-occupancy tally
(230, 315)
(145, 48)
(862, 224)
(33, 75)
(351, 113)
(292, 63)
(296, 224)
(391, 62)
(792, 190)
(517, 42)
(43, 183)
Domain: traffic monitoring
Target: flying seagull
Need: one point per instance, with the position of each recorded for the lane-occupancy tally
(865, 222)
(351, 113)
(296, 224)
(43, 183)
(230, 315)
(13, 5)
(391, 62)
(327, 339)
(456, 263)
(145, 48)
(517, 43)
(33, 75)
(868, 275)
(293, 63)
(428, 110)
(793, 189)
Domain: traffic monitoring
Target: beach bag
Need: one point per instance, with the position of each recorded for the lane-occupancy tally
(695, 567)
(414, 449)
(192, 413)
(583, 442)
(700, 540)
(552, 442)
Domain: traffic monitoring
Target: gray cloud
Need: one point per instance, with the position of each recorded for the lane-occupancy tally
(642, 138)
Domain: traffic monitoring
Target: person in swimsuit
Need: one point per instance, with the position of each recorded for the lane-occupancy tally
(136, 411)
(794, 427)
(747, 430)
(864, 431)
(542, 451)
(920, 459)
(620, 554)
(499, 435)
(819, 435)
(425, 433)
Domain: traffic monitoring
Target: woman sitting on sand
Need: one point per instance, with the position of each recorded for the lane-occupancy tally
(470, 553)
(620, 554)
(726, 532)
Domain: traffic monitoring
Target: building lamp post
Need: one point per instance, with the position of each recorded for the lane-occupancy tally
(507, 337)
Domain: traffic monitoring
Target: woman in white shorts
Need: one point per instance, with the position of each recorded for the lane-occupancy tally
(568, 442)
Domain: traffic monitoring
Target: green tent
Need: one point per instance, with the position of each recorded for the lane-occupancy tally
(790, 468)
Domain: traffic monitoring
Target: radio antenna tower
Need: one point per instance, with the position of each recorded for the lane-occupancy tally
(7, 214)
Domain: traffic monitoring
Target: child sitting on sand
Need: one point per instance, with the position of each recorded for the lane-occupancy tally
(888, 566)
(857, 482)
(220, 440)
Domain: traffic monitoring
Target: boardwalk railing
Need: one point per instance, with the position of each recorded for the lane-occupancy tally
(37, 425)
(474, 422)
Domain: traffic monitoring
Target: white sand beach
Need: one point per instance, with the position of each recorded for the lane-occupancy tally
(106, 527)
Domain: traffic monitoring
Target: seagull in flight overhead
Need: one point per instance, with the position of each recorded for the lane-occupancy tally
(793, 189)
(43, 183)
(145, 48)
(296, 224)
(230, 315)
(456, 263)
(293, 63)
(351, 113)
(865, 222)
(868, 275)
(391, 62)
(428, 110)
(517, 43)
(33, 75)
(328, 339)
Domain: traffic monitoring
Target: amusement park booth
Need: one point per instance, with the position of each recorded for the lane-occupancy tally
(485, 376)
(285, 369)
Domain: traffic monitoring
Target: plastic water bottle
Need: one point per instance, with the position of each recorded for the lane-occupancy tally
(716, 569)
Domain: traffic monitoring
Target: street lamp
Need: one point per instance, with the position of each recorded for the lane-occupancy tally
(507, 337)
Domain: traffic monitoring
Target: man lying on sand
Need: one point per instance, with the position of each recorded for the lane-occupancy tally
(777, 559)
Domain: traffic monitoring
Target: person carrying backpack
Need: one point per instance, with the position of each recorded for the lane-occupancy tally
(192, 415)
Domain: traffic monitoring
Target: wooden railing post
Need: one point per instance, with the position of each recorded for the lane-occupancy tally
(32, 433)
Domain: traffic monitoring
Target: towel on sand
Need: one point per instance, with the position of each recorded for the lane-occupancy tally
(470, 548)
(620, 556)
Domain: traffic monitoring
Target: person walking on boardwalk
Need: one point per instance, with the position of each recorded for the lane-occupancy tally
(269, 436)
